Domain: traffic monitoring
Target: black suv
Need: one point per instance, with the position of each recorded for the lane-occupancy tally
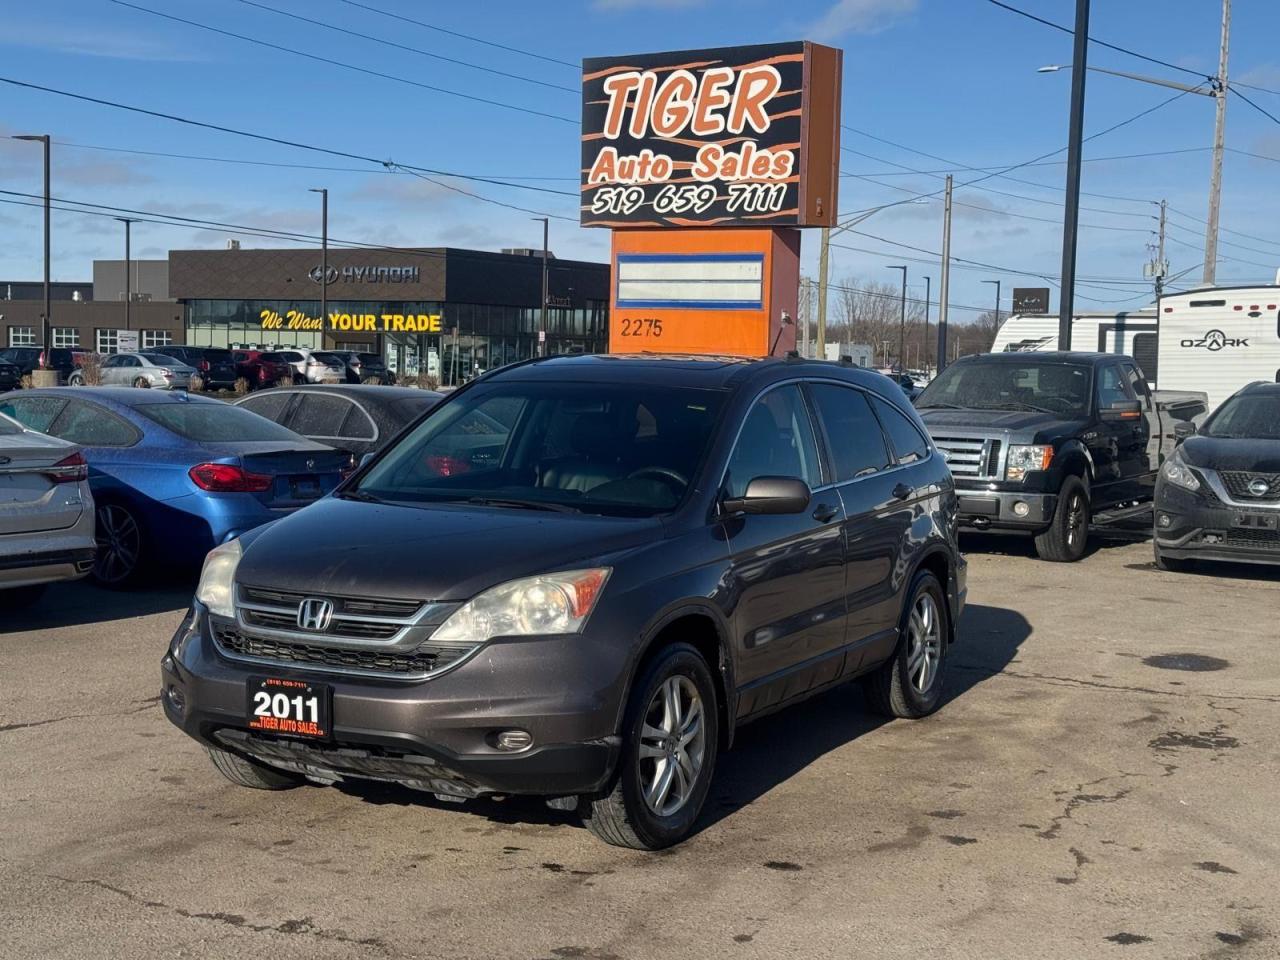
(574, 578)
(28, 359)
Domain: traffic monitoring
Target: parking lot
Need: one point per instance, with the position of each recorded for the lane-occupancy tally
(1099, 784)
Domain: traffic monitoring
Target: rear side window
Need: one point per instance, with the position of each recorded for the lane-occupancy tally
(269, 405)
(853, 435)
(213, 422)
(93, 426)
(319, 416)
(909, 445)
(34, 413)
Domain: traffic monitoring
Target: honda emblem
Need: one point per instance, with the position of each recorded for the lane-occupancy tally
(315, 614)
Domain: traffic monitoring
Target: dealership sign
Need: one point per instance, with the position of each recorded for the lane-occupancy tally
(725, 137)
(352, 322)
(364, 274)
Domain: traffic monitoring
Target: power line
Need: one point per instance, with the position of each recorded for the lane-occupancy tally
(345, 66)
(1043, 163)
(1266, 113)
(493, 178)
(1256, 156)
(401, 46)
(1254, 86)
(455, 33)
(278, 140)
(476, 196)
(1234, 233)
(1101, 43)
(1228, 243)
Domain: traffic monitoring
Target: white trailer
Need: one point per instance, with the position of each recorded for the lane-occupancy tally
(1218, 339)
(1132, 332)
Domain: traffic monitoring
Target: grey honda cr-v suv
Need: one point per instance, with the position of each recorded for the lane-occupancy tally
(574, 578)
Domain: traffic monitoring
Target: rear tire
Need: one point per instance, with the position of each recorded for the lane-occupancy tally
(142, 383)
(122, 545)
(1067, 537)
(76, 379)
(669, 744)
(248, 773)
(910, 684)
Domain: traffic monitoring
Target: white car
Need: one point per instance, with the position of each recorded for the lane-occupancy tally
(314, 366)
(146, 370)
(46, 513)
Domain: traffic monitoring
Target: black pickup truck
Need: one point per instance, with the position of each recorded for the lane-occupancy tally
(1050, 443)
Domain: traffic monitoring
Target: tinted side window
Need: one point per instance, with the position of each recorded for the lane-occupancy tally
(853, 435)
(34, 413)
(1111, 387)
(358, 425)
(92, 426)
(319, 416)
(1137, 383)
(269, 405)
(908, 445)
(776, 441)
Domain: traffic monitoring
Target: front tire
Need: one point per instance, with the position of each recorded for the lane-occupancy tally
(1067, 537)
(76, 379)
(247, 773)
(142, 383)
(910, 684)
(669, 746)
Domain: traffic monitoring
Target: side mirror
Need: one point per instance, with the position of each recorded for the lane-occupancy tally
(1122, 410)
(774, 495)
(1182, 430)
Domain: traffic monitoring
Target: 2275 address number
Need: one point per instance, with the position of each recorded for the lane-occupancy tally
(641, 327)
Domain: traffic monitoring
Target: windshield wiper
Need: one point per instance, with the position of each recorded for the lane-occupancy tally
(517, 503)
(1021, 405)
(363, 496)
(939, 406)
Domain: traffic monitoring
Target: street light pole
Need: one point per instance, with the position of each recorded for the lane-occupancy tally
(128, 278)
(324, 255)
(902, 325)
(44, 323)
(542, 320)
(944, 288)
(926, 324)
(1075, 140)
(997, 283)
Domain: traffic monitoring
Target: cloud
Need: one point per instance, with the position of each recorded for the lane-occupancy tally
(643, 4)
(859, 16)
(1262, 75)
(100, 41)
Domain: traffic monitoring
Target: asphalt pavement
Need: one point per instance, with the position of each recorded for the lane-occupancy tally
(1102, 782)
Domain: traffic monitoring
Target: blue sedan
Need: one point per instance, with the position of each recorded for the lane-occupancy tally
(174, 475)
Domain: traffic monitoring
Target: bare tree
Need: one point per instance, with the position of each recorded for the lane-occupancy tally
(870, 312)
(981, 334)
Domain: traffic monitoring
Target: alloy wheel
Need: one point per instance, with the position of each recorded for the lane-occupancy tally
(1075, 520)
(119, 544)
(924, 643)
(672, 746)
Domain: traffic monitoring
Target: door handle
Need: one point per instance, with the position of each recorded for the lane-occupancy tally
(902, 491)
(825, 512)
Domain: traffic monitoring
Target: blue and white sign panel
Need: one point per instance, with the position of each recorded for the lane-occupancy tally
(695, 281)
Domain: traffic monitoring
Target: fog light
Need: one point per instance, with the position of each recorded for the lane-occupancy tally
(1021, 508)
(1164, 520)
(176, 699)
(513, 740)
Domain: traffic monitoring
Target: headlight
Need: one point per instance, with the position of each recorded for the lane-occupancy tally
(1175, 471)
(218, 579)
(552, 603)
(1024, 458)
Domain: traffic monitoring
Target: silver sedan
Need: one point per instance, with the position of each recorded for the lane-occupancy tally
(146, 370)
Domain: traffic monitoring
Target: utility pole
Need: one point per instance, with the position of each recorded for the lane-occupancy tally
(1158, 268)
(902, 324)
(542, 321)
(997, 283)
(44, 322)
(823, 256)
(944, 288)
(1075, 139)
(1219, 136)
(925, 344)
(324, 256)
(803, 310)
(128, 278)
(884, 347)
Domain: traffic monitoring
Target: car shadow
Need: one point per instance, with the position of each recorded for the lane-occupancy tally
(83, 602)
(772, 750)
(1217, 570)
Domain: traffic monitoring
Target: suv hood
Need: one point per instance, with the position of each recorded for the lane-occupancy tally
(1224, 453)
(441, 552)
(1028, 422)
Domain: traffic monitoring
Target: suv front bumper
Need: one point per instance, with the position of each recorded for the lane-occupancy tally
(1006, 510)
(1198, 525)
(435, 734)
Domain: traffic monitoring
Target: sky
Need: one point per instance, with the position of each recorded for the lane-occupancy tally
(951, 85)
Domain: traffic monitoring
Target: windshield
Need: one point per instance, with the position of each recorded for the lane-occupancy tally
(159, 359)
(594, 448)
(1038, 386)
(214, 422)
(1246, 416)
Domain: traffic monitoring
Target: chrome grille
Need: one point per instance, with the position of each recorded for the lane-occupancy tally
(356, 606)
(1237, 484)
(971, 456)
